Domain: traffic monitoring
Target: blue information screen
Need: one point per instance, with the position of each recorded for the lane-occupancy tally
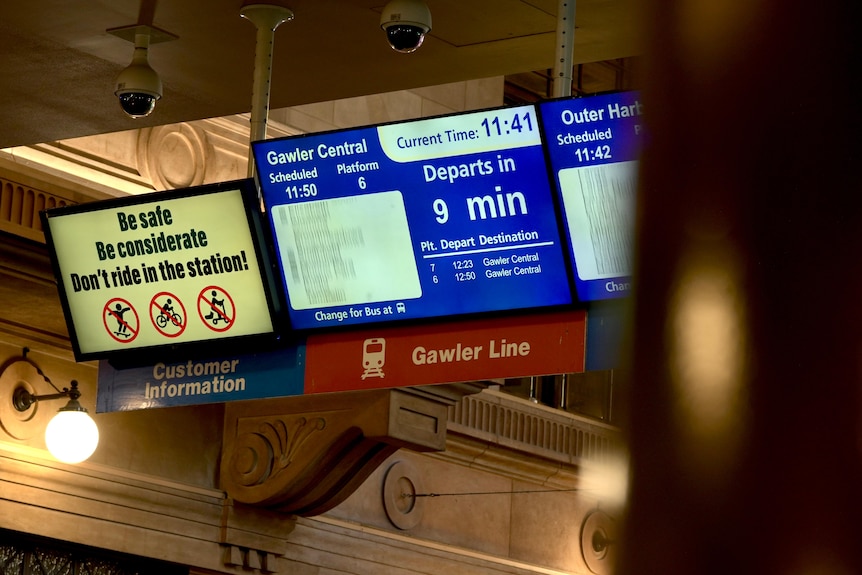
(593, 145)
(436, 217)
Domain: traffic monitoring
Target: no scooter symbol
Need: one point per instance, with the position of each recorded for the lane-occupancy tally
(216, 308)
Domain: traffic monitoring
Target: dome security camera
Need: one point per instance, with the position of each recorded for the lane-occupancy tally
(139, 86)
(405, 22)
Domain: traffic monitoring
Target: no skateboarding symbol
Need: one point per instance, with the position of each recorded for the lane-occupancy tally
(168, 314)
(216, 309)
(121, 320)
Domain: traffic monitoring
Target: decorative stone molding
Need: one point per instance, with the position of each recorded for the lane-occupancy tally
(135, 514)
(20, 206)
(133, 162)
(174, 156)
(513, 437)
(400, 487)
(249, 559)
(598, 542)
(512, 422)
(27, 280)
(304, 455)
(262, 453)
(253, 538)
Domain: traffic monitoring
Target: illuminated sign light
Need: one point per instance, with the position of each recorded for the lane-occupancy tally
(593, 145)
(436, 217)
(160, 270)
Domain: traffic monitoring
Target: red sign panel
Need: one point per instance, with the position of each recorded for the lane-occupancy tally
(537, 344)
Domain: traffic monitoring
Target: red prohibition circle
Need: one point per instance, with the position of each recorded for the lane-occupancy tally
(121, 323)
(184, 320)
(214, 314)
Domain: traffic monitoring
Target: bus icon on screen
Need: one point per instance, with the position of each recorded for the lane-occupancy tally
(373, 357)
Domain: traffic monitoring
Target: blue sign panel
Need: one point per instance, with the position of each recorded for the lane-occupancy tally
(593, 145)
(436, 217)
(279, 373)
(606, 332)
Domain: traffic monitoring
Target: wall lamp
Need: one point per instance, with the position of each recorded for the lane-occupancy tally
(71, 436)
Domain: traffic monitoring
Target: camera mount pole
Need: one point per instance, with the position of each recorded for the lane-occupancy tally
(565, 48)
(266, 18)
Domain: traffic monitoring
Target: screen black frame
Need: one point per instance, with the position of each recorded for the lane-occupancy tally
(196, 348)
(561, 233)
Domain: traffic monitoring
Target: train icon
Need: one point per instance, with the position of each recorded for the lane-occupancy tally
(373, 357)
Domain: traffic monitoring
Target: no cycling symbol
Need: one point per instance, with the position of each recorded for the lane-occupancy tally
(121, 320)
(168, 314)
(216, 309)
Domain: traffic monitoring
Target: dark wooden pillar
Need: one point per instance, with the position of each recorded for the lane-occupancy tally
(747, 334)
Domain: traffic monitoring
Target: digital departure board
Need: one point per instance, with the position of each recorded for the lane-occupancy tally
(593, 145)
(436, 217)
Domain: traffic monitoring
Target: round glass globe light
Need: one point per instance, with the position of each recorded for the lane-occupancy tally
(72, 436)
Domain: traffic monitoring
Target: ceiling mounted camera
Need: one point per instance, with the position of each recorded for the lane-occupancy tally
(406, 22)
(139, 86)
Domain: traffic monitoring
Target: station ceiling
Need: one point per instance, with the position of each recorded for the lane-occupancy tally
(59, 64)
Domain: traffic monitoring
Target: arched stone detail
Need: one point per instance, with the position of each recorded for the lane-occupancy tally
(173, 156)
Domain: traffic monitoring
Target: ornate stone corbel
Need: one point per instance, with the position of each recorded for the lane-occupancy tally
(304, 455)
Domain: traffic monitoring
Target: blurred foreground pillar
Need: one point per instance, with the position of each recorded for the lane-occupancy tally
(745, 372)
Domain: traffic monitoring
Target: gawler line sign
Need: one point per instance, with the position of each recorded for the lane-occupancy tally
(536, 344)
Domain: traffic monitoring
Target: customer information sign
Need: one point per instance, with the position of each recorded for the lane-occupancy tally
(230, 377)
(437, 217)
(165, 269)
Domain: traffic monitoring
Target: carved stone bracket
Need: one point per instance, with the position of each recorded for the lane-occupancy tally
(305, 455)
